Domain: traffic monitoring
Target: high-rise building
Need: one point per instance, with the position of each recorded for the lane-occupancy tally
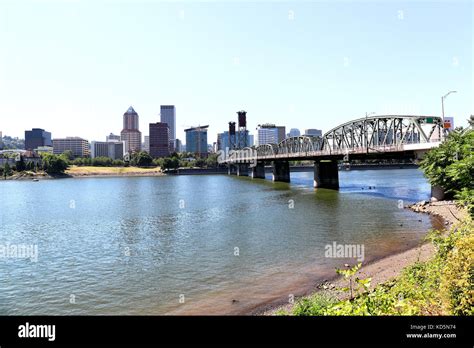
(313, 132)
(224, 140)
(168, 116)
(267, 134)
(196, 140)
(37, 137)
(281, 133)
(112, 149)
(130, 134)
(294, 132)
(78, 146)
(112, 137)
(159, 140)
(146, 143)
(178, 145)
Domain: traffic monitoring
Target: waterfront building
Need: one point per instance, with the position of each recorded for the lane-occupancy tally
(168, 116)
(267, 134)
(130, 133)
(159, 140)
(111, 149)
(78, 146)
(224, 140)
(281, 133)
(311, 132)
(44, 149)
(196, 140)
(294, 132)
(37, 137)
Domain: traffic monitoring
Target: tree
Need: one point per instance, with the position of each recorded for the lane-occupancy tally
(54, 164)
(141, 159)
(20, 165)
(451, 166)
(211, 161)
(6, 170)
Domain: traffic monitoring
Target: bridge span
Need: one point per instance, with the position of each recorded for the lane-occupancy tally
(374, 137)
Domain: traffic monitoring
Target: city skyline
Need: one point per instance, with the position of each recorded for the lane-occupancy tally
(314, 71)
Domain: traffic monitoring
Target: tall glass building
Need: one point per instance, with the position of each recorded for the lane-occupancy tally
(196, 140)
(37, 137)
(168, 116)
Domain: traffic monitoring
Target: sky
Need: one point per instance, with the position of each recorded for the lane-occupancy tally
(74, 67)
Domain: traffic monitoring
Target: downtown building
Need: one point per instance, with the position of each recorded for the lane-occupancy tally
(267, 134)
(196, 140)
(311, 132)
(159, 140)
(37, 137)
(78, 146)
(130, 133)
(227, 141)
(111, 149)
(168, 116)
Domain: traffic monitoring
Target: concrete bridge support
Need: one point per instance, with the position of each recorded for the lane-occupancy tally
(242, 169)
(281, 171)
(326, 174)
(232, 169)
(258, 172)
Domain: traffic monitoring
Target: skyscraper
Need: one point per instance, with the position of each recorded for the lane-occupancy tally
(196, 140)
(168, 116)
(37, 137)
(130, 133)
(159, 140)
(294, 132)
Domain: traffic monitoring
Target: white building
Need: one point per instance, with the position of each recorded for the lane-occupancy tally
(112, 149)
(267, 134)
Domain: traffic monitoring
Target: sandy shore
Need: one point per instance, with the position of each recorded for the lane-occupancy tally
(391, 266)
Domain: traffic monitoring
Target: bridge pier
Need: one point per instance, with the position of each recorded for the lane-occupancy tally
(242, 169)
(258, 172)
(232, 169)
(326, 174)
(281, 171)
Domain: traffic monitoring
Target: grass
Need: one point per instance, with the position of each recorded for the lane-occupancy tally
(90, 170)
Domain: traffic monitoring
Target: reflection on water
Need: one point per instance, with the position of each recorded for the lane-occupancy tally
(224, 244)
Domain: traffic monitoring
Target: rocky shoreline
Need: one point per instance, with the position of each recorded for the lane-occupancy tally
(389, 267)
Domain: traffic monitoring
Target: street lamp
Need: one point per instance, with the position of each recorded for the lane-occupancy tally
(442, 106)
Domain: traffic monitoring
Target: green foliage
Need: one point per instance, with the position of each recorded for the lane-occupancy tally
(141, 159)
(102, 162)
(20, 165)
(451, 165)
(6, 170)
(314, 305)
(170, 163)
(54, 164)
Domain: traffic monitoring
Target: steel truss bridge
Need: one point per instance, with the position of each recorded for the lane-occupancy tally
(382, 136)
(375, 137)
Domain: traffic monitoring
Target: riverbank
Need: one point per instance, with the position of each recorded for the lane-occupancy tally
(385, 269)
(89, 171)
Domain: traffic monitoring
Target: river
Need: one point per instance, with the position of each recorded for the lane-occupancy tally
(207, 244)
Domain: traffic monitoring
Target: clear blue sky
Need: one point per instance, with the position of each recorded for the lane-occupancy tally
(74, 67)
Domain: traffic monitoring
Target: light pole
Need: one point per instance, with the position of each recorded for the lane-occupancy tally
(442, 108)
